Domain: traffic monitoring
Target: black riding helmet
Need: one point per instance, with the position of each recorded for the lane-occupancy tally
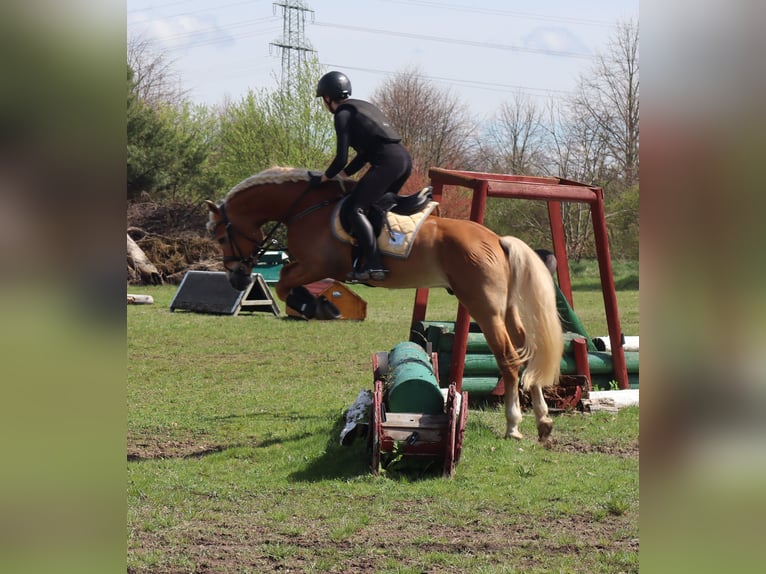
(334, 85)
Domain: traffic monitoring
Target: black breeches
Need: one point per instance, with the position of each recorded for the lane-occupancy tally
(387, 173)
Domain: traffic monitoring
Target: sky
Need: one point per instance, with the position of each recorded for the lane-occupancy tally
(482, 51)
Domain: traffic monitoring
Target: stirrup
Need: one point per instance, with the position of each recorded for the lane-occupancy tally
(367, 274)
(357, 276)
(377, 274)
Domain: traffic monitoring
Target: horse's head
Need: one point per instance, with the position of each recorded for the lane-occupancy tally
(238, 243)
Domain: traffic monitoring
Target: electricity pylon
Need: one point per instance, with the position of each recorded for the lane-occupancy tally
(293, 45)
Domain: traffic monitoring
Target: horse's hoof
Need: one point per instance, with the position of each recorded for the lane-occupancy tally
(544, 430)
(514, 434)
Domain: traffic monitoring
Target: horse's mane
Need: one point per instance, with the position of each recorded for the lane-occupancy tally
(271, 175)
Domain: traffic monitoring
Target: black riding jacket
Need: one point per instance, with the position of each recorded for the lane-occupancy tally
(362, 126)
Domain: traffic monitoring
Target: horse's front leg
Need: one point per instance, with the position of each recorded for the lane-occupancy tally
(294, 275)
(287, 279)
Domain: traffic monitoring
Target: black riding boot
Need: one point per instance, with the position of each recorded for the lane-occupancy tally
(373, 267)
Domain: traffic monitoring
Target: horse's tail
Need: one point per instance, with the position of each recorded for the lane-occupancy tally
(532, 300)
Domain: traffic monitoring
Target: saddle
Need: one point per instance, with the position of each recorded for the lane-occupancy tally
(395, 219)
(405, 204)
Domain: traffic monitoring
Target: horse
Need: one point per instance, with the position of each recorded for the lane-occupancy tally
(501, 281)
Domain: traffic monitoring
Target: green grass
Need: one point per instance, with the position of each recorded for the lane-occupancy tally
(589, 300)
(234, 462)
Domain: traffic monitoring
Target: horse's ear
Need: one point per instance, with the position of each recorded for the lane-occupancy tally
(212, 207)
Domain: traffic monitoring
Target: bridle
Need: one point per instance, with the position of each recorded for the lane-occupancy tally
(231, 232)
(262, 246)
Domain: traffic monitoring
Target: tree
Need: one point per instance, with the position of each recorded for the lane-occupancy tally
(434, 124)
(514, 141)
(608, 97)
(578, 152)
(622, 210)
(267, 128)
(148, 143)
(168, 148)
(595, 140)
(156, 82)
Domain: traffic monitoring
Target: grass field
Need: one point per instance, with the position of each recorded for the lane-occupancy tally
(234, 461)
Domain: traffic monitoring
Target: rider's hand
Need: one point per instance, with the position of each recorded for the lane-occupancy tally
(315, 179)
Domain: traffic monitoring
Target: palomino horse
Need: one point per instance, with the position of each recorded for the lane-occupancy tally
(501, 281)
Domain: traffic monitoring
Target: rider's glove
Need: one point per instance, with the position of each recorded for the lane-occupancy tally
(315, 179)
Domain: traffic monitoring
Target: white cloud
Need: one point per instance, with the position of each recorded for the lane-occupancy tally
(555, 39)
(182, 32)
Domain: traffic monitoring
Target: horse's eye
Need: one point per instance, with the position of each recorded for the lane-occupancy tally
(222, 240)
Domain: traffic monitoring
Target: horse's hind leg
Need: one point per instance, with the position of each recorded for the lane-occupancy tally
(513, 414)
(506, 356)
(512, 406)
(539, 406)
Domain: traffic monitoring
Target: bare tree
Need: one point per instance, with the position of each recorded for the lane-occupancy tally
(579, 152)
(155, 80)
(594, 135)
(577, 149)
(514, 140)
(434, 124)
(608, 98)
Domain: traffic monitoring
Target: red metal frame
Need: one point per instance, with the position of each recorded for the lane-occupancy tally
(553, 190)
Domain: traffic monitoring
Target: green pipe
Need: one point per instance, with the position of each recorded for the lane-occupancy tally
(485, 385)
(475, 365)
(479, 385)
(569, 319)
(477, 344)
(599, 363)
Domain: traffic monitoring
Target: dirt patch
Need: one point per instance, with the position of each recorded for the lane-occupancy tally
(174, 238)
(497, 539)
(630, 450)
(171, 449)
(169, 219)
(244, 536)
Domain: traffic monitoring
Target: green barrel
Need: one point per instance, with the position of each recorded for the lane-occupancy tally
(407, 352)
(412, 384)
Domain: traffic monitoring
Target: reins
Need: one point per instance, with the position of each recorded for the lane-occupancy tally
(262, 247)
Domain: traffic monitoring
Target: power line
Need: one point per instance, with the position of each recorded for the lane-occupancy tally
(492, 86)
(206, 41)
(217, 8)
(497, 12)
(193, 33)
(453, 41)
(155, 7)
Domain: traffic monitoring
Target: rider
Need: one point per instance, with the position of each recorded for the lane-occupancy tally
(364, 127)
